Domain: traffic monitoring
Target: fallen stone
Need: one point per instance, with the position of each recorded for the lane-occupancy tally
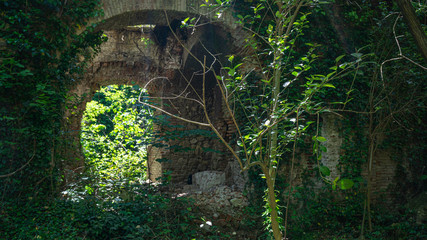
(238, 202)
(208, 179)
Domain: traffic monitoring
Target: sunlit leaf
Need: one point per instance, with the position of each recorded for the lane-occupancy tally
(230, 59)
(345, 184)
(339, 58)
(334, 183)
(319, 138)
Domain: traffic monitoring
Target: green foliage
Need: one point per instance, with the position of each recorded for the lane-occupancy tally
(378, 94)
(355, 147)
(44, 55)
(325, 214)
(349, 95)
(325, 170)
(150, 215)
(336, 215)
(115, 134)
(402, 225)
(114, 128)
(41, 55)
(275, 103)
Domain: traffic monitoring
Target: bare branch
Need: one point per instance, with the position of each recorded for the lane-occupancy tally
(212, 126)
(23, 166)
(173, 115)
(401, 56)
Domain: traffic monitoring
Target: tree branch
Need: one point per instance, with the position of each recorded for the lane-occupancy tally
(414, 26)
(23, 166)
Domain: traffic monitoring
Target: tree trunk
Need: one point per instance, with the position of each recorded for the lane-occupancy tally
(414, 26)
(271, 198)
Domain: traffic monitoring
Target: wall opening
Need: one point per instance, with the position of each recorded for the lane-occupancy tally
(115, 136)
(133, 55)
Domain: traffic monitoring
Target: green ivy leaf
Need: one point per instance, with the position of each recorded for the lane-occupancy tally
(230, 59)
(323, 148)
(339, 58)
(325, 171)
(334, 183)
(321, 139)
(345, 184)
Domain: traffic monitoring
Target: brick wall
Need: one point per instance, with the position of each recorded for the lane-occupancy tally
(131, 56)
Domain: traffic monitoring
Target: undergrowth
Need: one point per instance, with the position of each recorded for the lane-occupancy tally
(150, 215)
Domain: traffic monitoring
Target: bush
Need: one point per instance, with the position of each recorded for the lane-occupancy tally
(150, 215)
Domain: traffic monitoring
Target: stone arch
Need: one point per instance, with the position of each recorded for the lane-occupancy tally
(134, 56)
(132, 12)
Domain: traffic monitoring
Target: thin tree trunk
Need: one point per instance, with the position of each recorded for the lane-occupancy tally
(414, 26)
(271, 198)
(362, 228)
(270, 173)
(372, 139)
(371, 152)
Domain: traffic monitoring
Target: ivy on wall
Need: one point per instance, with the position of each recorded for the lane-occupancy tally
(42, 55)
(388, 94)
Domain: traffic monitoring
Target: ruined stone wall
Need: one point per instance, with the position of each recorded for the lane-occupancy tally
(195, 152)
(138, 56)
(134, 56)
(384, 167)
(119, 13)
(383, 174)
(155, 62)
(331, 128)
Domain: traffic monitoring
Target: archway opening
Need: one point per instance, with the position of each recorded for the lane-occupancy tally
(115, 134)
(157, 58)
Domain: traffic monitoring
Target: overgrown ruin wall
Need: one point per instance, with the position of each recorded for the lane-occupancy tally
(384, 167)
(153, 58)
(134, 56)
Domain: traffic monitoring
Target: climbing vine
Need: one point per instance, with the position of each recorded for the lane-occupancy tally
(382, 107)
(41, 55)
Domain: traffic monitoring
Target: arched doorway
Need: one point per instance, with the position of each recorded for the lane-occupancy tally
(157, 58)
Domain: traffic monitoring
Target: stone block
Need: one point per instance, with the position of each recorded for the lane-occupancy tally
(207, 180)
(238, 202)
